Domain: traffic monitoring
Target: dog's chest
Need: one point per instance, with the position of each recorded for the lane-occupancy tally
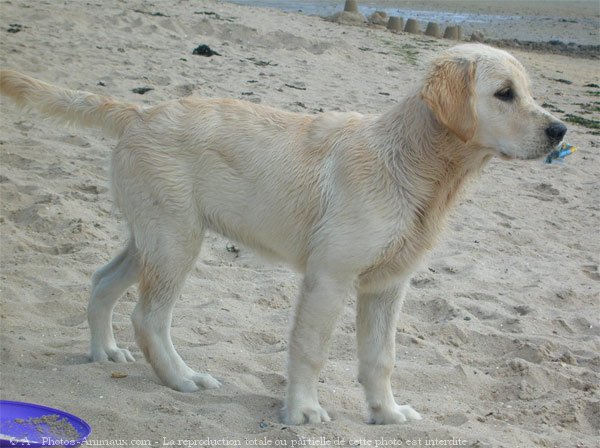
(398, 260)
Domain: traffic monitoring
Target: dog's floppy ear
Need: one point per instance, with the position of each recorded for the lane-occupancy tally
(449, 91)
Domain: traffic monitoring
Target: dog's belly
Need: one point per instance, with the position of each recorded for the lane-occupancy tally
(269, 212)
(272, 235)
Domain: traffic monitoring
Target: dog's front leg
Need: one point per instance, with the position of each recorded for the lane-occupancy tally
(320, 303)
(377, 314)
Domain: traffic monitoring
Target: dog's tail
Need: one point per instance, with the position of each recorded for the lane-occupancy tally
(72, 106)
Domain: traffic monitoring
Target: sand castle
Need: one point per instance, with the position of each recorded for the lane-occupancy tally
(433, 30)
(395, 24)
(352, 16)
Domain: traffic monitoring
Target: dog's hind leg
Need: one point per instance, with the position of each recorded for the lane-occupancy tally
(163, 272)
(377, 314)
(108, 284)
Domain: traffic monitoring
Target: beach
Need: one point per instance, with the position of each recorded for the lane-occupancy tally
(498, 342)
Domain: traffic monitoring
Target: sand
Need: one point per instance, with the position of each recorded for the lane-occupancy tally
(499, 339)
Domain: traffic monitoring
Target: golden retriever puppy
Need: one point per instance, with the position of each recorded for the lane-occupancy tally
(353, 201)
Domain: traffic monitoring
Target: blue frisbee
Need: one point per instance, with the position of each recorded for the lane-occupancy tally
(28, 424)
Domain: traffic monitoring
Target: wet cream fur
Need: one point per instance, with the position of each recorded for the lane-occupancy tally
(353, 201)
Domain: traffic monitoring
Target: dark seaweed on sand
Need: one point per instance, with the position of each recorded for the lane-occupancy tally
(205, 50)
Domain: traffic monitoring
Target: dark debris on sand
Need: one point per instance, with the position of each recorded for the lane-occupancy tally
(205, 50)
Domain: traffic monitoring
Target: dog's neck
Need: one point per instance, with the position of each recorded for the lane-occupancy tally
(430, 163)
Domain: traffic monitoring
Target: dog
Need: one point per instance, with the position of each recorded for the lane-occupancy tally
(353, 201)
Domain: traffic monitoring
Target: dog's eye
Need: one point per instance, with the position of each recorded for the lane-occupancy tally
(505, 94)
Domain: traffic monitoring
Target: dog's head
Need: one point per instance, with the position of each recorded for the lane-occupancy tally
(483, 96)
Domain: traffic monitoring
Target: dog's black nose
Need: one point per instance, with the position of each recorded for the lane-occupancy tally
(556, 131)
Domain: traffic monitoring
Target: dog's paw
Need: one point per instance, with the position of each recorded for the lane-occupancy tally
(183, 384)
(299, 415)
(205, 380)
(396, 414)
(115, 354)
(194, 381)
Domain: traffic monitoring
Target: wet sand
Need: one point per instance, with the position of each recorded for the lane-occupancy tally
(538, 20)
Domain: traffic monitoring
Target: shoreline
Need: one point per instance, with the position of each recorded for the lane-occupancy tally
(575, 24)
(553, 47)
